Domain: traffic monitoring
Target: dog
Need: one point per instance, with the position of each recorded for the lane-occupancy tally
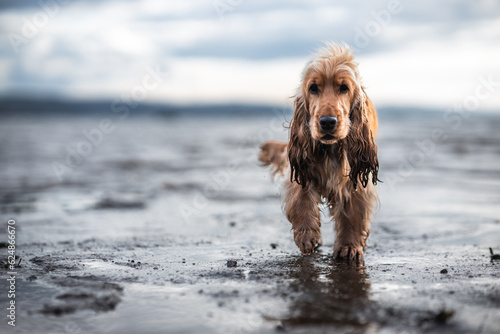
(331, 155)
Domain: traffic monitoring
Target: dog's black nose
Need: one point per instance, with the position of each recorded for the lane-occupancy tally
(328, 122)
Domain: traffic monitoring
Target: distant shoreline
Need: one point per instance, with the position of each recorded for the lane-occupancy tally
(30, 106)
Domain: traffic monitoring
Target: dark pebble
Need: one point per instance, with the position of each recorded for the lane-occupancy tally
(280, 328)
(231, 263)
(273, 246)
(444, 271)
(232, 224)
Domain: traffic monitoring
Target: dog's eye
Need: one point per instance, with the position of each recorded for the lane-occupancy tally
(313, 89)
(344, 88)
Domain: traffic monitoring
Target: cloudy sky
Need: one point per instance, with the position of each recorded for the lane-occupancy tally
(411, 53)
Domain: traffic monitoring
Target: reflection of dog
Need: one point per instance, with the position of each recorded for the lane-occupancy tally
(338, 298)
(331, 154)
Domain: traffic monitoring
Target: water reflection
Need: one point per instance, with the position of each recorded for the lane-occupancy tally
(329, 292)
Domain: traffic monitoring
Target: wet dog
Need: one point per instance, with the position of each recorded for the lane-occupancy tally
(331, 154)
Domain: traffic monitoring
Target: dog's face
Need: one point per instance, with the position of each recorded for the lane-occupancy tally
(329, 91)
(332, 107)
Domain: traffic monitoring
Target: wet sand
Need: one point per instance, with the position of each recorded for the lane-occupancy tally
(169, 225)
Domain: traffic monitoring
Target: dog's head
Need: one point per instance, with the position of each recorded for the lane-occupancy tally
(330, 89)
(330, 108)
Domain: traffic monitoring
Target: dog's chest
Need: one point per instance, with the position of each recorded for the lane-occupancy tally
(332, 175)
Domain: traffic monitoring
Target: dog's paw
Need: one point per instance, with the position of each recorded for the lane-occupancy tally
(348, 252)
(307, 240)
(350, 247)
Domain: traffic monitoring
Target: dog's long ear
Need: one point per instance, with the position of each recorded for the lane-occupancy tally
(361, 149)
(300, 145)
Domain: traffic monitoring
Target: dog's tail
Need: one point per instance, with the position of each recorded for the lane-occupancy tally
(275, 154)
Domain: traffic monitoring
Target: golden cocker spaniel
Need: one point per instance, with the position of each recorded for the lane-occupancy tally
(331, 155)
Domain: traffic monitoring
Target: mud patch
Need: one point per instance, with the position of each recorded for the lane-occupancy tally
(119, 203)
(48, 263)
(84, 293)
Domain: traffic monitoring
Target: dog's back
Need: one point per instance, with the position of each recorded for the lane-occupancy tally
(275, 154)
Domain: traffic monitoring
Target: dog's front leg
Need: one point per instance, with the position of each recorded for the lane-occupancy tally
(301, 207)
(352, 218)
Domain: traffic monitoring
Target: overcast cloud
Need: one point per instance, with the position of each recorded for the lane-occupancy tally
(425, 53)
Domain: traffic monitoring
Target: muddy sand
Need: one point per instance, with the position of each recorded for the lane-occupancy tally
(166, 225)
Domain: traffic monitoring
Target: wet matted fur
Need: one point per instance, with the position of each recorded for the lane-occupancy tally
(338, 164)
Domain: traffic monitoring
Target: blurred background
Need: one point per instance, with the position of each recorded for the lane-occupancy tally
(411, 53)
